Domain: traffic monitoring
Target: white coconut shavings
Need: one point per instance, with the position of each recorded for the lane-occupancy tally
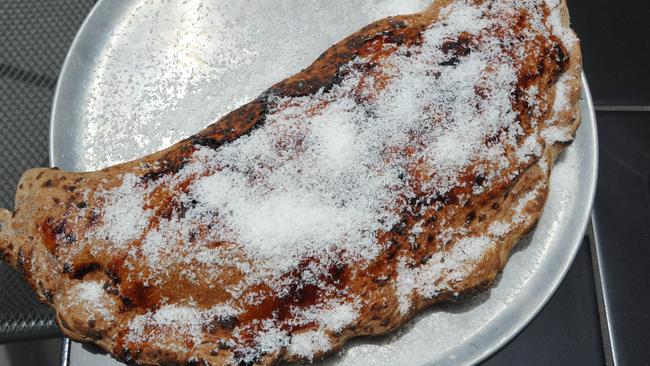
(270, 338)
(179, 321)
(520, 215)
(415, 232)
(446, 267)
(529, 149)
(499, 229)
(417, 228)
(561, 102)
(124, 218)
(334, 316)
(553, 134)
(543, 163)
(563, 32)
(91, 296)
(269, 341)
(532, 93)
(307, 344)
(561, 105)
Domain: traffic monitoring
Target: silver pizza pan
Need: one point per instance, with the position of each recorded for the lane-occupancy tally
(142, 74)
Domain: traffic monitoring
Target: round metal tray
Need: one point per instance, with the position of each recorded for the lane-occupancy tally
(143, 74)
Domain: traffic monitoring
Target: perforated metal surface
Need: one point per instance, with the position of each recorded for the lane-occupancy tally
(34, 38)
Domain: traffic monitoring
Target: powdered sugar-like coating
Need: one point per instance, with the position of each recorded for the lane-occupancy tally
(555, 134)
(90, 295)
(308, 343)
(176, 321)
(561, 30)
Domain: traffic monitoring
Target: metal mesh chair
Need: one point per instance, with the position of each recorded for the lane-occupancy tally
(34, 38)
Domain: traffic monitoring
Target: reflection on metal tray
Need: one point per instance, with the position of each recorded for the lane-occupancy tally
(143, 74)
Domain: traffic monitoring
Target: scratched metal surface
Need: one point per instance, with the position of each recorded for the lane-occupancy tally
(143, 74)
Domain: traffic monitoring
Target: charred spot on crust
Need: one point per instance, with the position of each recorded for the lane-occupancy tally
(399, 228)
(561, 55)
(20, 261)
(431, 220)
(391, 249)
(227, 322)
(222, 344)
(50, 232)
(80, 271)
(92, 219)
(458, 48)
(127, 303)
(221, 322)
(48, 183)
(453, 61)
(479, 179)
(240, 358)
(392, 37)
(381, 280)
(341, 74)
(196, 363)
(47, 294)
(126, 354)
(109, 288)
(212, 143)
(115, 279)
(235, 124)
(396, 24)
(470, 217)
(167, 167)
(138, 294)
(70, 188)
(67, 267)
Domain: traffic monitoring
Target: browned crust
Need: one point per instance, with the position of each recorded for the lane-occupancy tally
(56, 187)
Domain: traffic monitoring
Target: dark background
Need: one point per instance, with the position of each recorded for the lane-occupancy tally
(601, 312)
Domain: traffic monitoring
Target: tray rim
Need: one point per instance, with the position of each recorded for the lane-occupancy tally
(72, 68)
